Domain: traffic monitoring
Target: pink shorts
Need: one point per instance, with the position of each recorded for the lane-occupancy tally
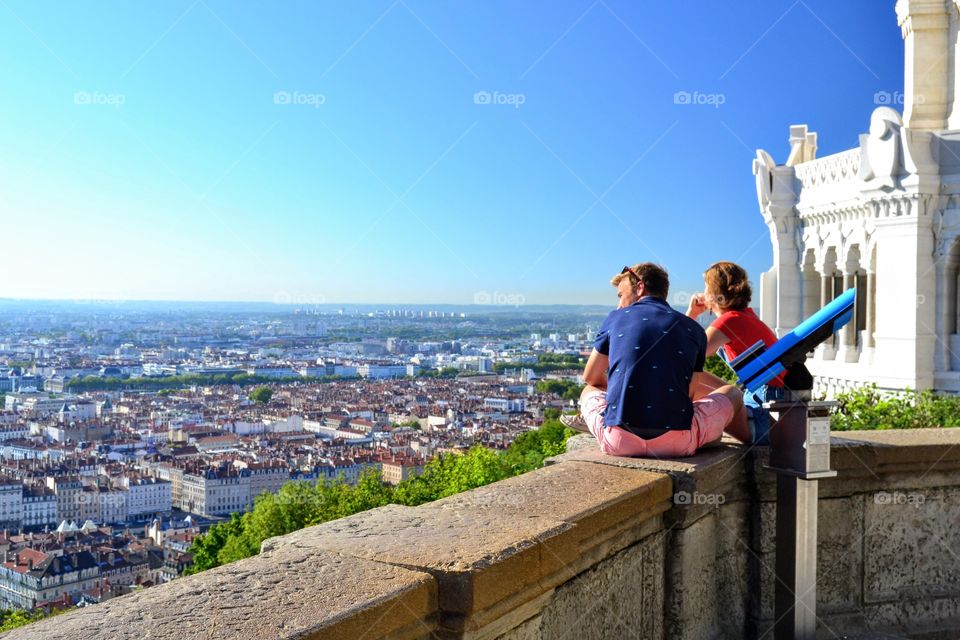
(711, 414)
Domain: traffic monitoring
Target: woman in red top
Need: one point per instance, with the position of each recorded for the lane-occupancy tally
(727, 294)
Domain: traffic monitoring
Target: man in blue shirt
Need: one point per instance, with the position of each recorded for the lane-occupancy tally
(647, 393)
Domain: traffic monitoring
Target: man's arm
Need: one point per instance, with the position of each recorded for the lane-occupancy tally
(595, 373)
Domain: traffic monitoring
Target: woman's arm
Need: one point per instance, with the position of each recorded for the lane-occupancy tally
(715, 340)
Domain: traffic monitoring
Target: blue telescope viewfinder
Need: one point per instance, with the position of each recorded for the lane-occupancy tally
(757, 366)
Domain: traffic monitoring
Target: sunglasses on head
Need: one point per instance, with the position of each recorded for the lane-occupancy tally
(627, 269)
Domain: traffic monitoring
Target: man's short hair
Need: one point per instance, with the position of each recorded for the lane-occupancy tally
(656, 282)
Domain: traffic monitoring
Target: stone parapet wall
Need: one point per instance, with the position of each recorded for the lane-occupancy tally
(591, 546)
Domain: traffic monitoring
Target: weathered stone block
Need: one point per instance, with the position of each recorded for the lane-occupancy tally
(839, 557)
(621, 597)
(911, 545)
(497, 547)
(691, 600)
(288, 593)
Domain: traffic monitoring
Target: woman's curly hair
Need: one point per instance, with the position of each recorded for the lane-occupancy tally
(728, 282)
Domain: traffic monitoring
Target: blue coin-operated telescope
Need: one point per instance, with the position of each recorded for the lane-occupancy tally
(800, 456)
(758, 365)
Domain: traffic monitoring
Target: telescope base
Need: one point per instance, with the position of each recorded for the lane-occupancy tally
(795, 595)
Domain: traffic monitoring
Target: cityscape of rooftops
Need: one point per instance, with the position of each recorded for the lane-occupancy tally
(272, 265)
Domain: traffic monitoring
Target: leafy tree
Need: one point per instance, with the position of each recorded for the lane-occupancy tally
(300, 504)
(13, 618)
(261, 395)
(206, 548)
(545, 362)
(446, 372)
(566, 389)
(529, 449)
(93, 383)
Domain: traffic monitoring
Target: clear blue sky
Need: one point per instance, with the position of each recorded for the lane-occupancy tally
(145, 152)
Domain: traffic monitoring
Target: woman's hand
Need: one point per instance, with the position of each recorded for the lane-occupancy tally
(698, 305)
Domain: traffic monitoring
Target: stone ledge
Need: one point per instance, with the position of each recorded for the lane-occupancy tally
(893, 448)
(287, 593)
(869, 461)
(713, 471)
(865, 461)
(495, 549)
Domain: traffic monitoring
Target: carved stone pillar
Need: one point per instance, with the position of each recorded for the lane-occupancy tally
(927, 86)
(871, 310)
(847, 351)
(827, 350)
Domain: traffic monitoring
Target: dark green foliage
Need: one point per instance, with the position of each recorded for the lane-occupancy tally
(529, 449)
(719, 368)
(301, 504)
(261, 395)
(446, 372)
(13, 618)
(868, 408)
(566, 389)
(545, 362)
(94, 383)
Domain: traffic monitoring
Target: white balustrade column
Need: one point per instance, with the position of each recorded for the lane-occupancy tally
(847, 351)
(871, 309)
(826, 350)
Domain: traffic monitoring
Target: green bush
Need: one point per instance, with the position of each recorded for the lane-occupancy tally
(868, 408)
(566, 389)
(719, 368)
(300, 504)
(13, 618)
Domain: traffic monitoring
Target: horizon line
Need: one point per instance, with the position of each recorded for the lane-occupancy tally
(287, 305)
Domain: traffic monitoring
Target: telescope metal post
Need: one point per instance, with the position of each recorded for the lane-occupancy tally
(800, 456)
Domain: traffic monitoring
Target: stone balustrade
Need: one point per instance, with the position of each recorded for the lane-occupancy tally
(590, 546)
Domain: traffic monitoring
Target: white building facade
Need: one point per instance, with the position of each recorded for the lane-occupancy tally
(884, 218)
(11, 505)
(148, 497)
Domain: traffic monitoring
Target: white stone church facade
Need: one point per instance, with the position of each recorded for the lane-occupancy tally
(883, 217)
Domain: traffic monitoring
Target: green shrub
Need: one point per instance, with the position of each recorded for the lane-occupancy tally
(566, 389)
(868, 408)
(719, 368)
(300, 504)
(13, 618)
